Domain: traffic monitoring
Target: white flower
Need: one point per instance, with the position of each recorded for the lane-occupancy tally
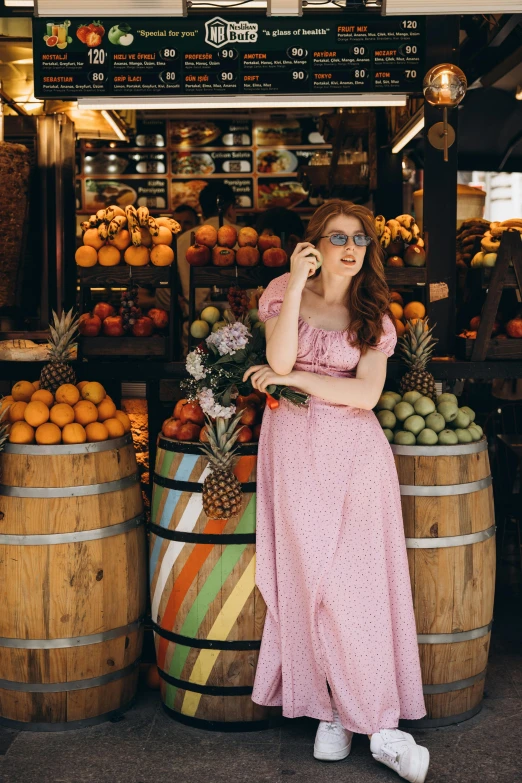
(230, 339)
(195, 366)
(213, 408)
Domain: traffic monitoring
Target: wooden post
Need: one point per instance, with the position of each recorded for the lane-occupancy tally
(440, 193)
(388, 196)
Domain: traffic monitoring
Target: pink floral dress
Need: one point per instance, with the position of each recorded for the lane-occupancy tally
(331, 554)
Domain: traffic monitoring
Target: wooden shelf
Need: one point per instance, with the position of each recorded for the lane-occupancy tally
(505, 348)
(510, 281)
(408, 275)
(98, 276)
(242, 276)
(125, 347)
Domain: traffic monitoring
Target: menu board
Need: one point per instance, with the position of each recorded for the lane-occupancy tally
(139, 192)
(338, 53)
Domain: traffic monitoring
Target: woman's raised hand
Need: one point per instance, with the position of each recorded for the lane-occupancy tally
(303, 263)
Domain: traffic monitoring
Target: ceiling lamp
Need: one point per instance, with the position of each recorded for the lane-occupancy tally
(244, 102)
(124, 8)
(427, 7)
(284, 7)
(444, 86)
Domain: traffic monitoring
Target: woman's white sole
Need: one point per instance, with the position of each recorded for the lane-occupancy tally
(339, 755)
(424, 763)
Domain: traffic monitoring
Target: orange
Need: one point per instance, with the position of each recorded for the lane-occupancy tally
(396, 297)
(16, 411)
(85, 412)
(164, 237)
(162, 255)
(68, 393)
(62, 414)
(106, 409)
(94, 392)
(36, 413)
(43, 395)
(86, 256)
(122, 240)
(37, 384)
(23, 390)
(48, 434)
(121, 416)
(21, 432)
(414, 310)
(108, 255)
(115, 428)
(6, 401)
(396, 309)
(93, 239)
(74, 433)
(137, 256)
(399, 326)
(80, 385)
(96, 431)
(146, 237)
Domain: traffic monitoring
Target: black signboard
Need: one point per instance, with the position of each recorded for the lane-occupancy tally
(348, 53)
(119, 162)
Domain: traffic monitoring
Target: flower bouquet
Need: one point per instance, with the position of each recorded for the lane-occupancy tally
(217, 367)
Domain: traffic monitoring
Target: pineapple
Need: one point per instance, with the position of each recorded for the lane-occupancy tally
(416, 346)
(221, 489)
(61, 336)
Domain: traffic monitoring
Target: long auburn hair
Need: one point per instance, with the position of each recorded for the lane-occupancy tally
(368, 293)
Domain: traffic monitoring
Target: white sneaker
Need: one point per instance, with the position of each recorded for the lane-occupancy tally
(399, 751)
(332, 741)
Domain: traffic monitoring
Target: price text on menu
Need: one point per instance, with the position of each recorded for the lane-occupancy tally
(154, 57)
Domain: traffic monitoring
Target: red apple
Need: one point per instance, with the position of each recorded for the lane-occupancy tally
(192, 412)
(170, 428)
(113, 326)
(274, 256)
(143, 327)
(89, 325)
(189, 431)
(160, 318)
(267, 241)
(249, 415)
(198, 255)
(395, 248)
(103, 310)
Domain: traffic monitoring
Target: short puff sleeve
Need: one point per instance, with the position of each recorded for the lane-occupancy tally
(272, 298)
(388, 339)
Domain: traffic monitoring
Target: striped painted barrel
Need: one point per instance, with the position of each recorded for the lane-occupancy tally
(207, 613)
(449, 522)
(72, 581)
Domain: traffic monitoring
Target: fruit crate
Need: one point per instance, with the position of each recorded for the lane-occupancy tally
(404, 276)
(503, 348)
(156, 346)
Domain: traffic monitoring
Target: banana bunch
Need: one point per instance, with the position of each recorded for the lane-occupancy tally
(133, 224)
(107, 222)
(402, 228)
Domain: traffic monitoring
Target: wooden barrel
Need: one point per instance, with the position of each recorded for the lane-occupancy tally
(207, 613)
(449, 521)
(72, 581)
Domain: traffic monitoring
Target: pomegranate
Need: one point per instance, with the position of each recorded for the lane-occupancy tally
(227, 236)
(249, 415)
(247, 256)
(189, 431)
(191, 412)
(103, 310)
(514, 327)
(160, 318)
(223, 256)
(245, 435)
(267, 241)
(143, 327)
(89, 325)
(206, 235)
(198, 255)
(113, 326)
(247, 237)
(274, 256)
(170, 428)
(178, 408)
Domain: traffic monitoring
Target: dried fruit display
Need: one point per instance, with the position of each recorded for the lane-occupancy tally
(401, 240)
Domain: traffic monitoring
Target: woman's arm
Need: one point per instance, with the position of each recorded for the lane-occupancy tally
(282, 331)
(363, 391)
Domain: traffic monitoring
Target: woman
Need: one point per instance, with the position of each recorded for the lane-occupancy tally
(339, 642)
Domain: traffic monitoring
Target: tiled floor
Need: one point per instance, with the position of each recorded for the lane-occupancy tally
(147, 747)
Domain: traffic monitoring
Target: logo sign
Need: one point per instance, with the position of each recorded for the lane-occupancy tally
(220, 32)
